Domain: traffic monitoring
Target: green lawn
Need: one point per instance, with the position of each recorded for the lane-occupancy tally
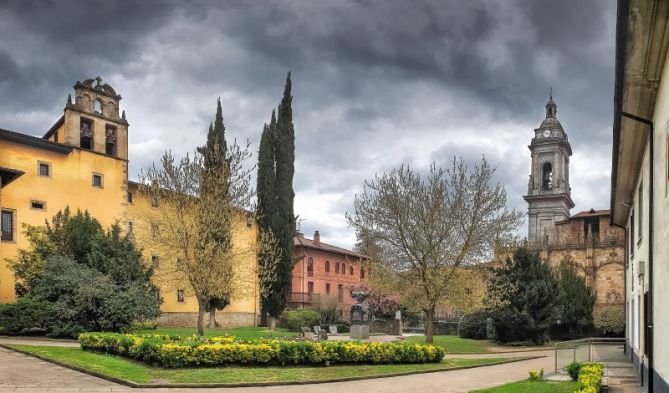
(532, 387)
(241, 332)
(455, 344)
(139, 373)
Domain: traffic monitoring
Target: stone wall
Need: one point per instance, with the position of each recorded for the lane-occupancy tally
(189, 319)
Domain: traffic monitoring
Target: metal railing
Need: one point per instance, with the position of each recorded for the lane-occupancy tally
(592, 349)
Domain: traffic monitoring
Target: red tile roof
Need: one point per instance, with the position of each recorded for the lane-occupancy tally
(591, 213)
(301, 241)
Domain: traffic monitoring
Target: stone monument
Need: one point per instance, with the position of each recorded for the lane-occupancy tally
(359, 322)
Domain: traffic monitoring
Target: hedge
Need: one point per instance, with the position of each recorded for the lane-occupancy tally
(590, 378)
(172, 351)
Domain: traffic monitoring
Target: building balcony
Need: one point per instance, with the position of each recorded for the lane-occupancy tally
(303, 297)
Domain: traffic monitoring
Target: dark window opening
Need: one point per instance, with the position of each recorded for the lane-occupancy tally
(639, 230)
(310, 267)
(337, 267)
(180, 296)
(86, 134)
(351, 270)
(340, 292)
(44, 169)
(547, 176)
(343, 268)
(327, 288)
(130, 197)
(38, 205)
(593, 224)
(362, 272)
(310, 287)
(7, 221)
(327, 266)
(97, 180)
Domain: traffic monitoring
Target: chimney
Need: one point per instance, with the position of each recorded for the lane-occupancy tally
(317, 238)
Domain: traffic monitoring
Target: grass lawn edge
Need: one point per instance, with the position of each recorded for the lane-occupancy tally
(249, 384)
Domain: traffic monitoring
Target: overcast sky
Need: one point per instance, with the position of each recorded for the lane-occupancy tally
(375, 83)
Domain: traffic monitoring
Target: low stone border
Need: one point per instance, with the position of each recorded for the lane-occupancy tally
(248, 384)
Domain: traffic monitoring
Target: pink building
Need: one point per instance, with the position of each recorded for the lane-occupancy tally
(325, 273)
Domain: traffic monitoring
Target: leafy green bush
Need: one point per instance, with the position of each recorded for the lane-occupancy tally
(169, 351)
(91, 279)
(590, 377)
(573, 369)
(26, 316)
(474, 325)
(293, 320)
(610, 320)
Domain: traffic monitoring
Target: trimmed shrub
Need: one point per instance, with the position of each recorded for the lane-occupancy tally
(293, 320)
(474, 325)
(590, 377)
(26, 316)
(170, 351)
(144, 325)
(610, 320)
(573, 369)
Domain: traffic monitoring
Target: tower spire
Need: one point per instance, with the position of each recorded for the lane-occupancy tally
(551, 107)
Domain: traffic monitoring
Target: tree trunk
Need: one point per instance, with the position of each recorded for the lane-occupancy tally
(429, 325)
(272, 323)
(212, 318)
(200, 315)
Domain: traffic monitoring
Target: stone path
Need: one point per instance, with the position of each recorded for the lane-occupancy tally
(23, 373)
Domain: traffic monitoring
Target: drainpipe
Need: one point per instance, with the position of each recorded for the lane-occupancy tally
(651, 188)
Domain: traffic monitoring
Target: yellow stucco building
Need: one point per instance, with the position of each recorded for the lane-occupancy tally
(82, 162)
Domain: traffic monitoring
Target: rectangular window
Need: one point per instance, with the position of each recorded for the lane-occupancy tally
(129, 197)
(631, 234)
(180, 296)
(310, 287)
(38, 205)
(156, 293)
(7, 220)
(639, 230)
(44, 169)
(340, 292)
(97, 180)
(327, 288)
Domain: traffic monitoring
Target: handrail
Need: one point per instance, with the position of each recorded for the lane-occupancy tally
(589, 341)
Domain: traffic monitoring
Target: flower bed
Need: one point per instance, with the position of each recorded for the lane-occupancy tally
(171, 351)
(590, 378)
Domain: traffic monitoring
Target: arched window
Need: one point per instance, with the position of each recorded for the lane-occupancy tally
(327, 266)
(343, 268)
(337, 267)
(351, 270)
(362, 273)
(310, 267)
(97, 106)
(547, 176)
(110, 141)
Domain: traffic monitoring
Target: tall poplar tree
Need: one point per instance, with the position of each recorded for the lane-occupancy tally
(276, 167)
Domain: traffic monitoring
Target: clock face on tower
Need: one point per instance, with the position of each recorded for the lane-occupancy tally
(547, 133)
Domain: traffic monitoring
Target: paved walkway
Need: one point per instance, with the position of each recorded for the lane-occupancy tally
(23, 373)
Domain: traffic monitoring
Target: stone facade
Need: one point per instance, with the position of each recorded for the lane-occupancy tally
(189, 319)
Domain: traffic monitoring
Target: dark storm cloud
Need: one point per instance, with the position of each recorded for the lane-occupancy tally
(376, 83)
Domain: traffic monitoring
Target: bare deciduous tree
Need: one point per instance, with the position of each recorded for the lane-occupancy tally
(422, 228)
(193, 217)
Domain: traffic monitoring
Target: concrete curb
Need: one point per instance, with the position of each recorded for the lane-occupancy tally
(251, 384)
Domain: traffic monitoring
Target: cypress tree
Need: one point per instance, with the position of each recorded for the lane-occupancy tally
(276, 167)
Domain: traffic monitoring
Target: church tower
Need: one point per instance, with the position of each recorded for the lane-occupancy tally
(548, 192)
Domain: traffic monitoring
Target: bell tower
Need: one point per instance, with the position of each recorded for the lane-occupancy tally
(548, 192)
(93, 122)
